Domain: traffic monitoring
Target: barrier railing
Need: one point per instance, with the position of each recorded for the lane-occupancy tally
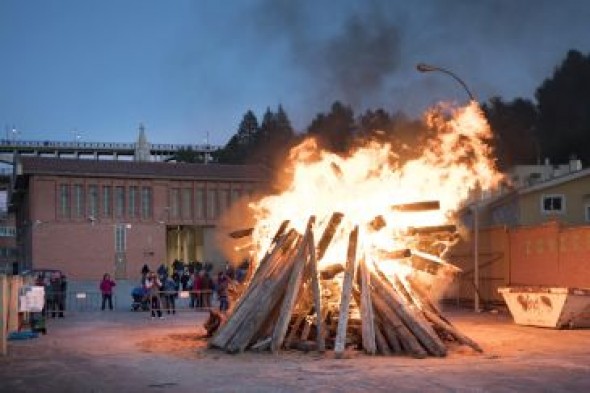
(170, 302)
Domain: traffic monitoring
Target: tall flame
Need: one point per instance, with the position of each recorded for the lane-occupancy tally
(454, 162)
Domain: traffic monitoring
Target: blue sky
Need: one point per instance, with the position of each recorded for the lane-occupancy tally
(191, 68)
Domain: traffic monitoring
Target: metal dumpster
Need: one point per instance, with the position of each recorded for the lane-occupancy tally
(548, 307)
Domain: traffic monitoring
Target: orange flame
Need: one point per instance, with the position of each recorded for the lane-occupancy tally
(365, 184)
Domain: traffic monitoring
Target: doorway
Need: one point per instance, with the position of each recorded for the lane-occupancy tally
(185, 243)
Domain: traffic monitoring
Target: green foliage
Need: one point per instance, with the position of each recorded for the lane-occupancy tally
(335, 130)
(564, 110)
(254, 144)
(513, 124)
(189, 155)
(237, 150)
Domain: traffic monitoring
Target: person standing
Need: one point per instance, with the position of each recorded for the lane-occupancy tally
(222, 291)
(56, 295)
(170, 293)
(106, 289)
(153, 285)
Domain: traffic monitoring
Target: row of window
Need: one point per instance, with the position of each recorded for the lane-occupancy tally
(8, 252)
(186, 203)
(93, 201)
(133, 202)
(7, 231)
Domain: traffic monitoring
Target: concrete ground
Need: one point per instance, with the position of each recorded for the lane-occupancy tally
(123, 351)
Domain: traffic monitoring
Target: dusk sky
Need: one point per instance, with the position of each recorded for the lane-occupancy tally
(188, 68)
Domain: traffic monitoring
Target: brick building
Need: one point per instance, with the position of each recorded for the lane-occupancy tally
(88, 217)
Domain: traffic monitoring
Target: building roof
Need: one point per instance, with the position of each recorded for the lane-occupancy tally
(556, 181)
(101, 168)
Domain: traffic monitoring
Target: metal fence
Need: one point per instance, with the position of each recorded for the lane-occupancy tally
(88, 301)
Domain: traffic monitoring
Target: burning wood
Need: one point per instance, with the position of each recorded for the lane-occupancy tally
(417, 206)
(431, 229)
(364, 307)
(299, 284)
(240, 233)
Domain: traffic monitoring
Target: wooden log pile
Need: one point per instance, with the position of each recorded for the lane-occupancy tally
(289, 303)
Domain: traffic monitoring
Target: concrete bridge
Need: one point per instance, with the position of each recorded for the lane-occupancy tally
(142, 150)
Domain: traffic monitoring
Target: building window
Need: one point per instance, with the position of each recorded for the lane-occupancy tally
(107, 198)
(133, 205)
(223, 201)
(119, 202)
(553, 204)
(211, 203)
(146, 203)
(93, 201)
(120, 238)
(78, 200)
(235, 197)
(8, 252)
(173, 195)
(200, 203)
(187, 203)
(64, 200)
(7, 231)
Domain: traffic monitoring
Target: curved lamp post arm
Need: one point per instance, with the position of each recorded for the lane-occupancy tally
(428, 68)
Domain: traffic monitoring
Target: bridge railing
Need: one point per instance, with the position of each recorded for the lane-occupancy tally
(11, 145)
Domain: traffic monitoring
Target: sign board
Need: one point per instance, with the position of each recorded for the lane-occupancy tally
(31, 298)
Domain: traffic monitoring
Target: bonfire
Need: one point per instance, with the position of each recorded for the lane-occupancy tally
(353, 253)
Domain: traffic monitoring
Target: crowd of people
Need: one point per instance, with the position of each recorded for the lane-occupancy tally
(161, 287)
(55, 284)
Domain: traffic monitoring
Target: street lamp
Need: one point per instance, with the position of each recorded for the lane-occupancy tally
(429, 68)
(476, 300)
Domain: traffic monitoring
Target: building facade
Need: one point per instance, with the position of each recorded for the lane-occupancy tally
(565, 199)
(90, 217)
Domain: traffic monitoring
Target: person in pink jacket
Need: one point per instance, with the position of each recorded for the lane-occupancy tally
(106, 288)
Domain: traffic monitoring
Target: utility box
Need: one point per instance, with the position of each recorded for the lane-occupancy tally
(561, 308)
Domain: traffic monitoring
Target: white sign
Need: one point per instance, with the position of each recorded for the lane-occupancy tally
(31, 299)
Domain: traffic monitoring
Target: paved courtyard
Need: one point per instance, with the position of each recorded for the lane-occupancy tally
(125, 351)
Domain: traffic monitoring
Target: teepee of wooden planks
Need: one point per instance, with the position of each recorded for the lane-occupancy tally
(290, 303)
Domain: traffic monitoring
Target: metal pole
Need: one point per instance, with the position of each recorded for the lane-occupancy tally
(428, 68)
(422, 67)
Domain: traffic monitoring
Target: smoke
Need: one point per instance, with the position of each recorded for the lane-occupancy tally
(353, 57)
(365, 53)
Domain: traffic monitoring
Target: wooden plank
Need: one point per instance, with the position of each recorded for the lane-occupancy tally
(317, 293)
(328, 234)
(416, 206)
(453, 331)
(262, 345)
(367, 315)
(240, 233)
(250, 297)
(381, 343)
(16, 282)
(294, 329)
(408, 340)
(271, 293)
(306, 329)
(392, 338)
(291, 292)
(346, 293)
(408, 315)
(3, 314)
(431, 229)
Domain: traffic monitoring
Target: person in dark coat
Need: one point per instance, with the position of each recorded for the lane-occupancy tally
(222, 291)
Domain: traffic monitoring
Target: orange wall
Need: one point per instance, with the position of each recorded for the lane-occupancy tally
(548, 254)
